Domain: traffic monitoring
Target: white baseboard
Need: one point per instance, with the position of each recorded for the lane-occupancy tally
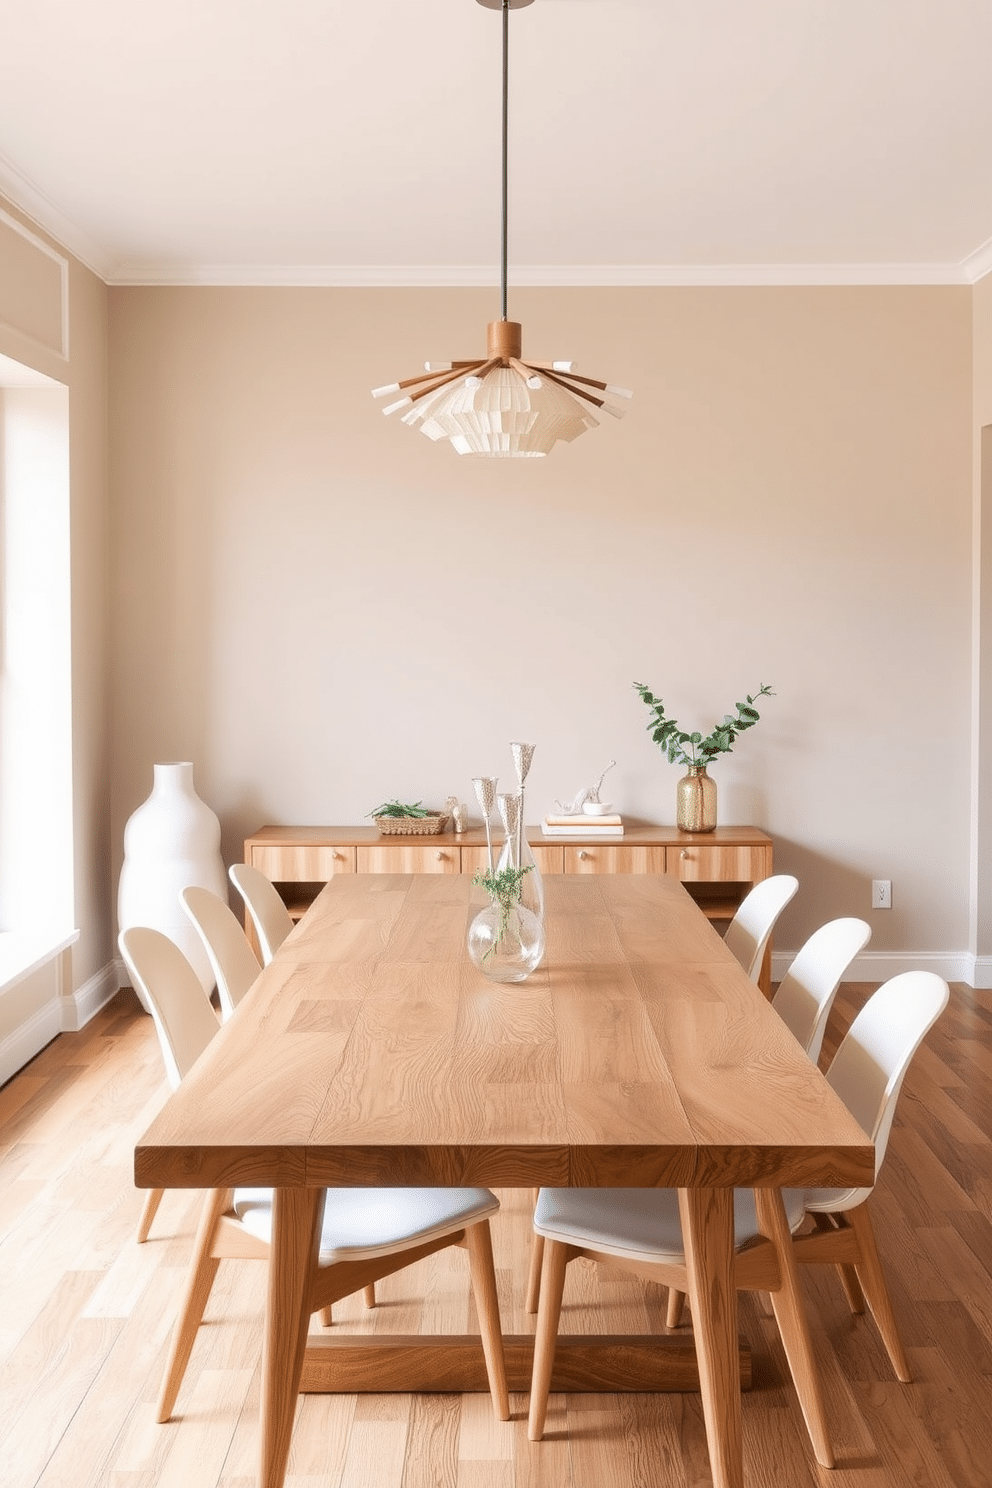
(77, 1008)
(61, 1012)
(28, 1039)
(982, 971)
(879, 966)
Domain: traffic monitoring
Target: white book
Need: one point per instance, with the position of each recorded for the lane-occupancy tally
(584, 819)
(581, 832)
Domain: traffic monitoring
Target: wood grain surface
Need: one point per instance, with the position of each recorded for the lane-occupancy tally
(372, 1052)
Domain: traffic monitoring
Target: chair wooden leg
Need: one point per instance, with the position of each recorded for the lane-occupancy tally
(199, 1280)
(549, 1313)
(478, 1241)
(853, 1290)
(872, 1280)
(534, 1274)
(148, 1212)
(792, 1324)
(536, 1261)
(325, 1314)
(848, 1275)
(675, 1308)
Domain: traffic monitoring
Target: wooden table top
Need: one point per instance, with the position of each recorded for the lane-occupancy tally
(372, 1052)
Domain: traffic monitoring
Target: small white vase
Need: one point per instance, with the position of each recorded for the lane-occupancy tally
(171, 842)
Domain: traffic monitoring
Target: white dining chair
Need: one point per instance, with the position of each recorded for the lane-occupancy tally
(751, 928)
(184, 1020)
(269, 915)
(806, 993)
(867, 1073)
(367, 1233)
(639, 1229)
(232, 960)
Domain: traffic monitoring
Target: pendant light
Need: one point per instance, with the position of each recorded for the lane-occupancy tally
(501, 404)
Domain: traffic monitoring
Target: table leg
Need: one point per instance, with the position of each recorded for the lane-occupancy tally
(297, 1214)
(708, 1235)
(792, 1325)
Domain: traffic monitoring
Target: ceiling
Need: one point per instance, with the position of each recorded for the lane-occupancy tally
(651, 141)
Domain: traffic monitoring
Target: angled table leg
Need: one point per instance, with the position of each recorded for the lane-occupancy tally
(708, 1235)
(793, 1328)
(297, 1214)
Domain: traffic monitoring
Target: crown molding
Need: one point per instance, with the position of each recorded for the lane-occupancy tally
(542, 276)
(29, 199)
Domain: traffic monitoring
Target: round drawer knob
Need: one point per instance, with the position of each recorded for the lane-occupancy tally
(441, 857)
(582, 856)
(683, 854)
(337, 857)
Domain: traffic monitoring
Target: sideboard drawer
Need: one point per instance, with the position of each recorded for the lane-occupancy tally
(548, 859)
(301, 862)
(395, 857)
(602, 857)
(694, 864)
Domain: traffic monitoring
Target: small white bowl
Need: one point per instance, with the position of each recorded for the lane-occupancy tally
(597, 808)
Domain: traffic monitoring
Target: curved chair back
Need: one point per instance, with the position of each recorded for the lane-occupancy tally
(750, 930)
(869, 1067)
(184, 1020)
(269, 915)
(806, 993)
(234, 963)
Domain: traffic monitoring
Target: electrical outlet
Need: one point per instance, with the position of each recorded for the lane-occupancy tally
(881, 893)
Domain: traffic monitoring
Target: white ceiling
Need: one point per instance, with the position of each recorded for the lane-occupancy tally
(651, 141)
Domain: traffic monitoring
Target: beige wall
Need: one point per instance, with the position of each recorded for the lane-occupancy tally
(981, 820)
(34, 289)
(323, 609)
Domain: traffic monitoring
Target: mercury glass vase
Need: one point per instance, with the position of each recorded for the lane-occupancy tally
(516, 853)
(506, 941)
(695, 801)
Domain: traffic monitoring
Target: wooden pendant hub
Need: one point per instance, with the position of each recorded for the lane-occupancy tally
(504, 339)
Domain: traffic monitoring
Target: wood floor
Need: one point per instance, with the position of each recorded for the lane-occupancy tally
(85, 1315)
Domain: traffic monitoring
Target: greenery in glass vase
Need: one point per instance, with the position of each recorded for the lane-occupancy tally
(503, 888)
(695, 749)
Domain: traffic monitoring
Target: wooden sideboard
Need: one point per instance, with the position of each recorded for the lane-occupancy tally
(718, 868)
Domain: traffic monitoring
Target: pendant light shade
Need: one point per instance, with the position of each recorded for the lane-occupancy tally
(500, 405)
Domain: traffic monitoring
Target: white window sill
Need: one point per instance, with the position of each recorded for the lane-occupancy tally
(25, 951)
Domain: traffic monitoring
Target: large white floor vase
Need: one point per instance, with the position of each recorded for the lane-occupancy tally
(171, 842)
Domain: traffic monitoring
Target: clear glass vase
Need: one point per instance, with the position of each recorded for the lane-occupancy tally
(517, 854)
(506, 941)
(695, 801)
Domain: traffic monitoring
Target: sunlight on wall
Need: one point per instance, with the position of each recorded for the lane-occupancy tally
(36, 891)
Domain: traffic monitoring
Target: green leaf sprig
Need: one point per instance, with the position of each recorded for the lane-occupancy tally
(503, 887)
(397, 808)
(694, 749)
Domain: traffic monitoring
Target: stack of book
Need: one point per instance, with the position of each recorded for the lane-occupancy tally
(582, 826)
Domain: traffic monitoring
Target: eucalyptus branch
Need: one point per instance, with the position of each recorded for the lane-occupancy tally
(694, 749)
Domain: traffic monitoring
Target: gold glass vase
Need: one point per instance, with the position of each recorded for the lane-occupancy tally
(695, 801)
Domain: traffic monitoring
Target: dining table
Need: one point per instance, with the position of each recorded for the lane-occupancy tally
(371, 1051)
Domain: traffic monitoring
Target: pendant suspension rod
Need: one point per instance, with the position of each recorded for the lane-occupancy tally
(503, 216)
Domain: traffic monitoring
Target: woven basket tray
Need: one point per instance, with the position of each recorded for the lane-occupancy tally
(412, 826)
